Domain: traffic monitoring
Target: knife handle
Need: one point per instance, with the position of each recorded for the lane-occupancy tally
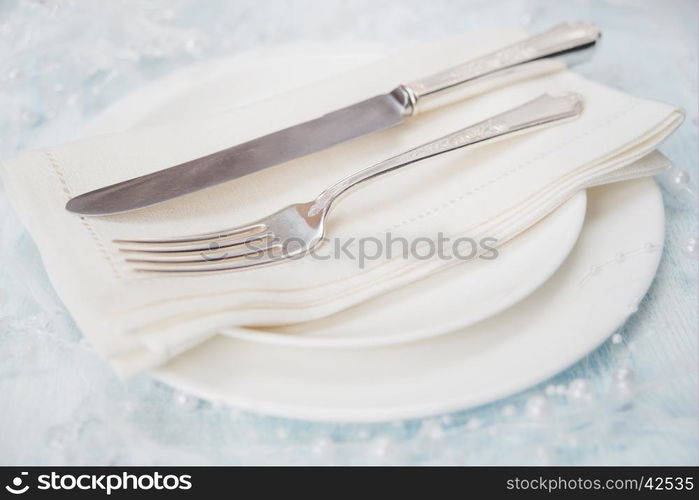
(520, 60)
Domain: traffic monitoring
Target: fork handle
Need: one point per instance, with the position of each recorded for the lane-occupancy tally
(544, 110)
(513, 62)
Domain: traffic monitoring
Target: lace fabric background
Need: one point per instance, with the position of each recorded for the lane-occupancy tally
(633, 401)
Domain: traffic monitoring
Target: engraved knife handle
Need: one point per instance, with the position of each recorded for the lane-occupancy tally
(514, 62)
(545, 110)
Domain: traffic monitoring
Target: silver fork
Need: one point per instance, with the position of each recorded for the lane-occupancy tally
(297, 229)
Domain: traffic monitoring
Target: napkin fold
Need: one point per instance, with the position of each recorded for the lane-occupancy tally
(493, 191)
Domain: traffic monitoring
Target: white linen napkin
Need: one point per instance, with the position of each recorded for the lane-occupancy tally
(496, 191)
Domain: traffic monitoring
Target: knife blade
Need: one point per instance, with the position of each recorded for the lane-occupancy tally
(371, 115)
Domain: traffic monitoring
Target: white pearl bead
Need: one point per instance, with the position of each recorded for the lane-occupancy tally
(382, 447)
(579, 384)
(623, 383)
(622, 389)
(185, 401)
(550, 390)
(14, 74)
(321, 446)
(679, 180)
(691, 248)
(538, 406)
(434, 431)
(624, 374)
(193, 45)
(617, 338)
(579, 391)
(473, 424)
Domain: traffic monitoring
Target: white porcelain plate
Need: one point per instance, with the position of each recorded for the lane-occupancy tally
(590, 295)
(487, 288)
(451, 300)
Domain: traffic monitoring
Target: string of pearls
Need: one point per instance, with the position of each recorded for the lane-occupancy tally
(680, 184)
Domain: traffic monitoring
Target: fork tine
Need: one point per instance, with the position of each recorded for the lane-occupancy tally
(217, 242)
(254, 228)
(208, 255)
(266, 256)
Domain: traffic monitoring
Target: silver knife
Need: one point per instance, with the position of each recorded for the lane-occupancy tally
(372, 115)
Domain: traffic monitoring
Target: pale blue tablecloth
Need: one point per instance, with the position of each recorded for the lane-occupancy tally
(60, 402)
